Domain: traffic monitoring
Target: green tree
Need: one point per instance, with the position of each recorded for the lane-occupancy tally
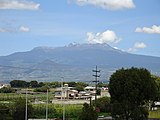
(103, 104)
(7, 90)
(88, 113)
(5, 112)
(19, 109)
(41, 89)
(130, 90)
(41, 84)
(34, 84)
(19, 83)
(157, 80)
(79, 86)
(53, 84)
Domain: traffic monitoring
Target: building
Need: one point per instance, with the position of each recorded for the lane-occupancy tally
(66, 92)
(4, 85)
(90, 90)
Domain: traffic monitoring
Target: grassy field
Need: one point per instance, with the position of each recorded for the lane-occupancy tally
(14, 96)
(154, 114)
(56, 111)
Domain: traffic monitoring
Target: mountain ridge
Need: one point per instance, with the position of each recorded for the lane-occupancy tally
(74, 61)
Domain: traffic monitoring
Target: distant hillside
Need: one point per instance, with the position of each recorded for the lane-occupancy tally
(74, 62)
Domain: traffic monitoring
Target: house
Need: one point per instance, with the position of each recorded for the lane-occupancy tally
(90, 89)
(66, 92)
(4, 85)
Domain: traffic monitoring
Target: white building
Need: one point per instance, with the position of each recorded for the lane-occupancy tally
(4, 85)
(66, 92)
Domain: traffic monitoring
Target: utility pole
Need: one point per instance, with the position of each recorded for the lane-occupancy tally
(62, 90)
(47, 106)
(26, 112)
(96, 71)
(63, 94)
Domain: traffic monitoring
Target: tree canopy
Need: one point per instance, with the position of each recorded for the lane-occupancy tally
(130, 90)
(24, 84)
(103, 104)
(88, 113)
(157, 80)
(19, 110)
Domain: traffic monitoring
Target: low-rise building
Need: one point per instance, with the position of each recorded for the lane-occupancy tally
(4, 85)
(66, 92)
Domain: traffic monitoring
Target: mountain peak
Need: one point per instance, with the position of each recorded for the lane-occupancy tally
(99, 46)
(74, 44)
(43, 48)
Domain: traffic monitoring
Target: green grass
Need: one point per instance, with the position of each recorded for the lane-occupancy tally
(104, 114)
(56, 111)
(14, 96)
(154, 114)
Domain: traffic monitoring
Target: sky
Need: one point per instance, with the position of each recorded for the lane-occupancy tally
(129, 25)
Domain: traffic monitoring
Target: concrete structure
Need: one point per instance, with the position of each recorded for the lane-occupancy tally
(66, 92)
(69, 93)
(90, 89)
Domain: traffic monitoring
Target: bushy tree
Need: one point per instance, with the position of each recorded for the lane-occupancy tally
(41, 89)
(5, 112)
(20, 108)
(88, 113)
(103, 104)
(130, 90)
(34, 84)
(7, 90)
(54, 84)
(19, 83)
(79, 86)
(157, 80)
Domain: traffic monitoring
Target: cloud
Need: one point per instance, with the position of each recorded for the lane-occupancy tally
(105, 37)
(153, 30)
(24, 29)
(5, 30)
(19, 5)
(15, 30)
(107, 4)
(2, 30)
(137, 45)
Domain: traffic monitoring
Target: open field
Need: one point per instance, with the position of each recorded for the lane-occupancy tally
(14, 96)
(154, 114)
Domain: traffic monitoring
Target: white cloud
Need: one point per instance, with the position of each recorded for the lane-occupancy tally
(24, 29)
(14, 30)
(105, 37)
(137, 45)
(154, 29)
(18, 4)
(4, 30)
(108, 4)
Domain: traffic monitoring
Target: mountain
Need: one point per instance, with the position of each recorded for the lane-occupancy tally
(73, 62)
